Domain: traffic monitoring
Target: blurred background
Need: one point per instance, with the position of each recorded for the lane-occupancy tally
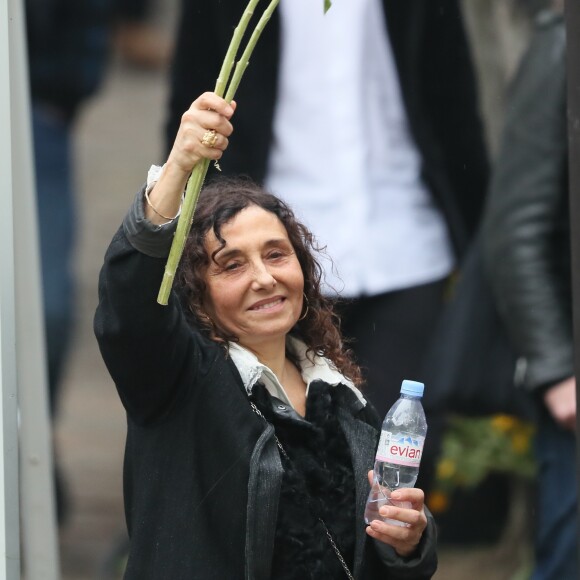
(118, 135)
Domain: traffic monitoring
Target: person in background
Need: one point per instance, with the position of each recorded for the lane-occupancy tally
(138, 41)
(394, 191)
(249, 443)
(67, 54)
(527, 253)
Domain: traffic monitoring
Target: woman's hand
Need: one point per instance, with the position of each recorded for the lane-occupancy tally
(404, 539)
(203, 134)
(207, 113)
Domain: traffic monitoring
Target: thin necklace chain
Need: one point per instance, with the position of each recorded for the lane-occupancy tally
(326, 530)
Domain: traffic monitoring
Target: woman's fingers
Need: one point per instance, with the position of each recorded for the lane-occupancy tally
(413, 495)
(204, 131)
(215, 146)
(403, 538)
(210, 120)
(213, 140)
(405, 515)
(408, 509)
(215, 121)
(210, 101)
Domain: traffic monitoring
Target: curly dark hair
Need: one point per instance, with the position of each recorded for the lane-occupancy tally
(221, 201)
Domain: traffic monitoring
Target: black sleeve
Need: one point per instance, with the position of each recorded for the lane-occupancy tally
(152, 354)
(526, 235)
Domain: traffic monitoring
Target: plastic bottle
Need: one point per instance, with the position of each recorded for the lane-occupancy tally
(399, 451)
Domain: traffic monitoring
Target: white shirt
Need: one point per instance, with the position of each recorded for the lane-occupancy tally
(343, 156)
(252, 370)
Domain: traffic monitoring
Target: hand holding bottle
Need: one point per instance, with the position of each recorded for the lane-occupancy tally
(395, 510)
(405, 536)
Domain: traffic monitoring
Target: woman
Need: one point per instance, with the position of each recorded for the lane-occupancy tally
(249, 444)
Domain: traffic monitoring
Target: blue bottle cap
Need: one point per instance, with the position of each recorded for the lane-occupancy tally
(413, 388)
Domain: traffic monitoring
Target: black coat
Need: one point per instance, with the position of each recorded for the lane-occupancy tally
(435, 73)
(202, 471)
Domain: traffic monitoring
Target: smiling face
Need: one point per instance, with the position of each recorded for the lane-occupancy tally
(255, 282)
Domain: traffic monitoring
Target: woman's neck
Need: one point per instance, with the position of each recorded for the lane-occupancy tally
(273, 355)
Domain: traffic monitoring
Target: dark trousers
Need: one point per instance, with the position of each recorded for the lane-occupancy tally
(56, 219)
(556, 514)
(389, 335)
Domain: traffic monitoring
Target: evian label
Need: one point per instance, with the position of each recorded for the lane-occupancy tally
(400, 448)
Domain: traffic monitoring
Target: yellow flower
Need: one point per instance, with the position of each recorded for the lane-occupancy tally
(437, 502)
(446, 469)
(520, 443)
(503, 422)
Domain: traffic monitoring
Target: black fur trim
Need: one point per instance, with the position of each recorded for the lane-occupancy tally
(318, 482)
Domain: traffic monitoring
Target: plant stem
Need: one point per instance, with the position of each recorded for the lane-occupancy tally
(183, 227)
(199, 172)
(232, 52)
(244, 61)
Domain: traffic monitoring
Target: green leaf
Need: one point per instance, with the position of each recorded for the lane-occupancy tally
(327, 5)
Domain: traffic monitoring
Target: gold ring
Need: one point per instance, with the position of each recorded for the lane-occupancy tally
(209, 138)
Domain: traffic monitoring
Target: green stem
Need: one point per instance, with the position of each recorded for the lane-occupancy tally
(232, 52)
(183, 227)
(197, 177)
(244, 61)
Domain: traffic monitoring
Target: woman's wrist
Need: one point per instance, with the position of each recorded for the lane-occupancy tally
(163, 201)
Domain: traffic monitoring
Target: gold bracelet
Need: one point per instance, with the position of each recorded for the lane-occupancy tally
(169, 219)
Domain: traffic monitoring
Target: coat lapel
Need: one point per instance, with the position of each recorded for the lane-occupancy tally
(405, 22)
(264, 486)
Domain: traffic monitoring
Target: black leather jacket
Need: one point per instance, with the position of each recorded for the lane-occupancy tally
(526, 226)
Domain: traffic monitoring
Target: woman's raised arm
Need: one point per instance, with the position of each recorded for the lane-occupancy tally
(203, 134)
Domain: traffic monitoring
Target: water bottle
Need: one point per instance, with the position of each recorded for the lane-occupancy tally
(399, 451)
